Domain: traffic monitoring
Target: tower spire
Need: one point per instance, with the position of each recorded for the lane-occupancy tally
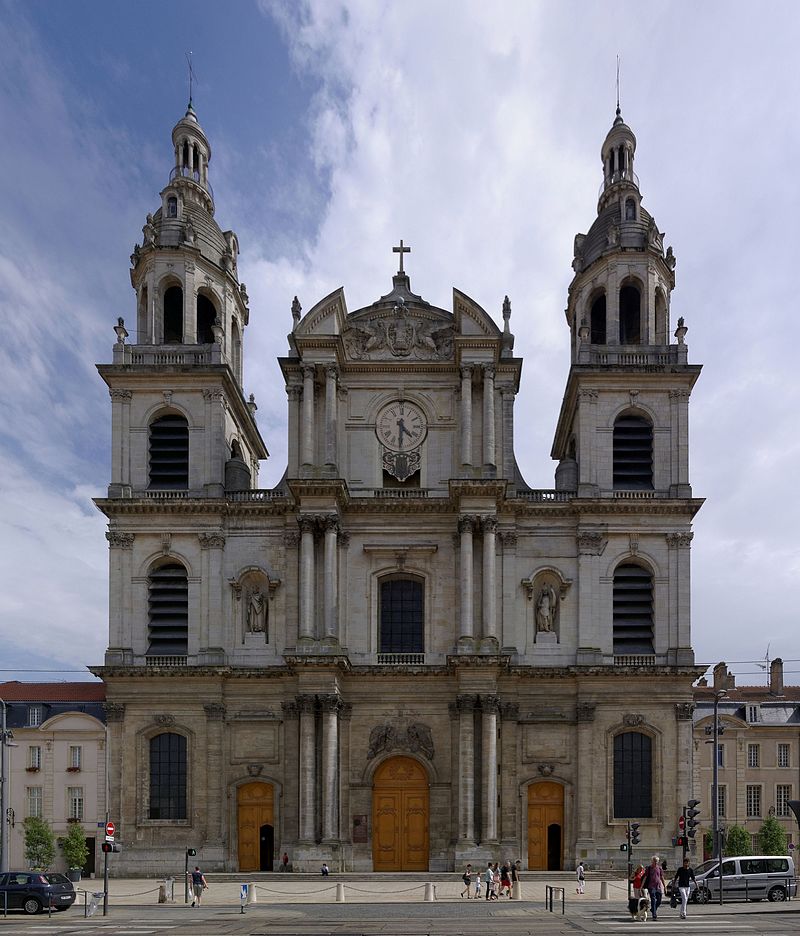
(192, 77)
(619, 112)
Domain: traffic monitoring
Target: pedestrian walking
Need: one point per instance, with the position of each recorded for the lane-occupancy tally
(198, 885)
(505, 880)
(580, 878)
(488, 878)
(496, 881)
(636, 881)
(683, 880)
(466, 877)
(478, 883)
(653, 882)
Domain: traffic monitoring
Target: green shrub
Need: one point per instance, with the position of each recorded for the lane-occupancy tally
(40, 844)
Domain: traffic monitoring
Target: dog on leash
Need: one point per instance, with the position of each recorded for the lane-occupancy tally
(639, 907)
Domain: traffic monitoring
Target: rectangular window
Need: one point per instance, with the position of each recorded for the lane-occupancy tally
(753, 713)
(75, 803)
(721, 798)
(755, 846)
(633, 775)
(720, 755)
(784, 760)
(783, 793)
(33, 797)
(34, 757)
(753, 755)
(34, 716)
(75, 757)
(753, 801)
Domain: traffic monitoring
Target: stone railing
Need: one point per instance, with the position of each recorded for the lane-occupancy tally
(166, 661)
(164, 495)
(167, 355)
(545, 495)
(403, 493)
(401, 659)
(636, 355)
(635, 659)
(255, 496)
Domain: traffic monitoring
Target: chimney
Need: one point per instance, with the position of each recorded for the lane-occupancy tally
(722, 678)
(776, 677)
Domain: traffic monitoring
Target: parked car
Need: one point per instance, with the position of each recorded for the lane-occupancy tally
(747, 877)
(33, 891)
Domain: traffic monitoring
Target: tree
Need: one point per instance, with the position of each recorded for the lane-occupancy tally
(74, 847)
(772, 838)
(40, 843)
(737, 841)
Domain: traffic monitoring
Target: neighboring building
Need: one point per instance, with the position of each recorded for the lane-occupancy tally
(759, 751)
(57, 770)
(402, 657)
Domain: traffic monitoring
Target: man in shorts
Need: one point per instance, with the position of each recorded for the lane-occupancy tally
(198, 885)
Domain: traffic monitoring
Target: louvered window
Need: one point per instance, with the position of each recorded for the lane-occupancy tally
(169, 453)
(168, 776)
(633, 454)
(633, 610)
(633, 776)
(168, 607)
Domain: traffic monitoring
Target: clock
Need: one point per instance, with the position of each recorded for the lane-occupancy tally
(401, 426)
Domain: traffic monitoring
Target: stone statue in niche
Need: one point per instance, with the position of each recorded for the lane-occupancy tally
(546, 609)
(256, 611)
(149, 232)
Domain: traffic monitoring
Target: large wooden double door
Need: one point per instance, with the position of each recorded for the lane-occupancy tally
(256, 823)
(545, 826)
(400, 816)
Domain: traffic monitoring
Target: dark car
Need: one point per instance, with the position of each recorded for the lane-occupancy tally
(33, 891)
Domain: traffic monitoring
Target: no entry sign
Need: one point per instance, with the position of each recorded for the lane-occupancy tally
(110, 829)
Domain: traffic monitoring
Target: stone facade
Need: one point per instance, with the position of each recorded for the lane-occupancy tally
(402, 656)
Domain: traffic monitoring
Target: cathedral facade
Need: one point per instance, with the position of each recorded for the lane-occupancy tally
(401, 657)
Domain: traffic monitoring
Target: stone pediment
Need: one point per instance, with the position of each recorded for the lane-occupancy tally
(399, 332)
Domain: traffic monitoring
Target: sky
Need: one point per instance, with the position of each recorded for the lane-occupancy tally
(473, 132)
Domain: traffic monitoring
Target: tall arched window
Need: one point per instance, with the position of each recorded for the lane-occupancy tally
(173, 315)
(633, 775)
(142, 317)
(630, 328)
(633, 453)
(172, 207)
(168, 777)
(598, 320)
(630, 209)
(206, 316)
(633, 610)
(169, 453)
(402, 616)
(236, 350)
(168, 610)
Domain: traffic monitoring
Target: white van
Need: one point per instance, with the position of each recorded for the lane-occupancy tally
(746, 877)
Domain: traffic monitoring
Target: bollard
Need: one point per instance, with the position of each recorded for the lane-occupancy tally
(162, 893)
(429, 894)
(340, 893)
(252, 896)
(604, 890)
(516, 890)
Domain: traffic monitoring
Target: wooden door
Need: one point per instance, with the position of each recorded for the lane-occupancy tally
(545, 826)
(400, 816)
(255, 809)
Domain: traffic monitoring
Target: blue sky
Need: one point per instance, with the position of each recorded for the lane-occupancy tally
(472, 131)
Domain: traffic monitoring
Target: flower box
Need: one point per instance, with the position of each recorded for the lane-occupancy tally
(73, 769)
(32, 769)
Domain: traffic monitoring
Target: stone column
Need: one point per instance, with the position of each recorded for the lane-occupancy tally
(190, 303)
(120, 607)
(115, 738)
(466, 415)
(509, 798)
(307, 451)
(330, 584)
(679, 444)
(679, 556)
(587, 429)
(465, 527)
(585, 772)
(330, 755)
(290, 799)
(489, 708)
(331, 375)
(293, 392)
(489, 578)
(465, 705)
(215, 439)
(307, 784)
(508, 394)
(120, 441)
(511, 627)
(306, 624)
(683, 742)
(215, 820)
(212, 638)
(489, 456)
(592, 638)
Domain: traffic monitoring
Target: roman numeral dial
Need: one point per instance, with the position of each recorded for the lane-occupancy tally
(401, 426)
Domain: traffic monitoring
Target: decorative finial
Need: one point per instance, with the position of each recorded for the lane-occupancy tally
(251, 405)
(296, 310)
(401, 250)
(680, 331)
(121, 331)
(619, 112)
(506, 313)
(192, 77)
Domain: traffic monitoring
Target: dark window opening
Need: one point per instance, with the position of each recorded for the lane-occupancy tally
(168, 777)
(633, 776)
(173, 315)
(412, 481)
(633, 454)
(236, 449)
(629, 315)
(633, 610)
(169, 453)
(186, 155)
(172, 207)
(598, 320)
(168, 611)
(402, 624)
(630, 209)
(206, 316)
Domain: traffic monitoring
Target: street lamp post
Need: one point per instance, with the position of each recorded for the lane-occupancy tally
(715, 789)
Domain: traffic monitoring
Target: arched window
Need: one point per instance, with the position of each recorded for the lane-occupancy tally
(206, 316)
(598, 320)
(402, 616)
(169, 453)
(633, 453)
(662, 318)
(236, 350)
(143, 314)
(173, 315)
(633, 610)
(168, 610)
(630, 331)
(630, 209)
(172, 207)
(168, 776)
(633, 775)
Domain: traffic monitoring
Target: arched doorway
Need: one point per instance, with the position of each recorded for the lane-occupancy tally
(255, 809)
(545, 826)
(400, 816)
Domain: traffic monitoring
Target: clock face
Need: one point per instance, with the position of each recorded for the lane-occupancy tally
(401, 426)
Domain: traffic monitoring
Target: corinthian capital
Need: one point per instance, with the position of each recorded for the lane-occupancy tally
(120, 540)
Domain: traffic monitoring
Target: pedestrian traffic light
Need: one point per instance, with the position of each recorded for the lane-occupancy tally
(111, 847)
(634, 833)
(191, 852)
(679, 841)
(691, 812)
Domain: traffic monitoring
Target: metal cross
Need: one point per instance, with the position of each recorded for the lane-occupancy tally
(192, 76)
(401, 250)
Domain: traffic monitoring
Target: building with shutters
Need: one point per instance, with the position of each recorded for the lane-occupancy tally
(401, 657)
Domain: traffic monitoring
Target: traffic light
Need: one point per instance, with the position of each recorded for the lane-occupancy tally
(111, 847)
(691, 812)
(634, 833)
(679, 841)
(191, 852)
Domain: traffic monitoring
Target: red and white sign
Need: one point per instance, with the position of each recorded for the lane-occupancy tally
(110, 829)
(681, 823)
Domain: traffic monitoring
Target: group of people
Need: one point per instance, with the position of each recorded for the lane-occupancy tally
(653, 881)
(496, 879)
